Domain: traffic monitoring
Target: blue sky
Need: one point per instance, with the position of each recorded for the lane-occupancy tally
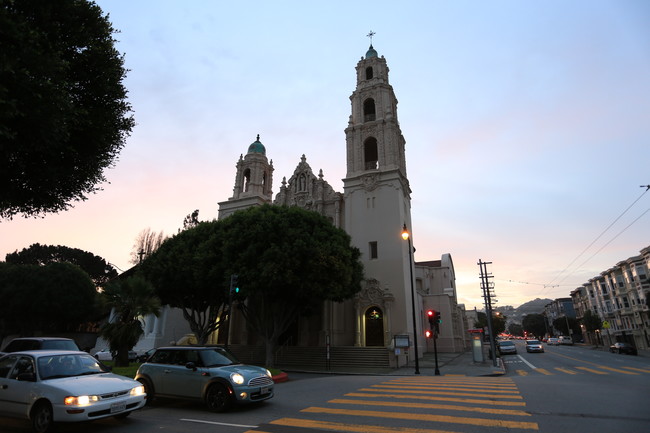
(527, 125)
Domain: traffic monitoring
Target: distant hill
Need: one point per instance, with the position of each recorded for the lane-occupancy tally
(536, 306)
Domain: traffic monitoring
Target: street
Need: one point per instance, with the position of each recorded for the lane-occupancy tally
(565, 389)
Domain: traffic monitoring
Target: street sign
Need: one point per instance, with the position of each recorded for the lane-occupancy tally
(606, 324)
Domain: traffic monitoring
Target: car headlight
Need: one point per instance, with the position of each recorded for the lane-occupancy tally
(137, 390)
(237, 378)
(268, 373)
(82, 400)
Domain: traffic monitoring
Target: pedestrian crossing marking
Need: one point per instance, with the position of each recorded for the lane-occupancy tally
(487, 422)
(642, 370)
(544, 371)
(591, 370)
(618, 370)
(356, 428)
(566, 370)
(522, 372)
(433, 398)
(432, 406)
(457, 394)
(453, 387)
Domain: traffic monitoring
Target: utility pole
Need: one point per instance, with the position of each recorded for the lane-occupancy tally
(487, 287)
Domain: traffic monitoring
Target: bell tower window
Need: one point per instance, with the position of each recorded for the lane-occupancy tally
(370, 154)
(369, 110)
(369, 73)
(247, 179)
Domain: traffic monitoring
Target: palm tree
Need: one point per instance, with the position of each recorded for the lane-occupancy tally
(130, 299)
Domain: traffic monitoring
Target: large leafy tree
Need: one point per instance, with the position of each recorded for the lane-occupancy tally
(64, 116)
(288, 261)
(99, 270)
(52, 298)
(188, 272)
(129, 300)
(534, 324)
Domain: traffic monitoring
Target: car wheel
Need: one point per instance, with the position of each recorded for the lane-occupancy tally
(217, 398)
(41, 416)
(148, 389)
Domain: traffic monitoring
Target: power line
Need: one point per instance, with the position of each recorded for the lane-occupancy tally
(601, 234)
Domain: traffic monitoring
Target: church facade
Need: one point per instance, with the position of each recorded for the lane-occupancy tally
(373, 209)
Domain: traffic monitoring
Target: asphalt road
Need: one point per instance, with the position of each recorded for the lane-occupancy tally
(566, 389)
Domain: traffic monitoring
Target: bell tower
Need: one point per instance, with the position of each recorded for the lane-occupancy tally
(378, 196)
(253, 181)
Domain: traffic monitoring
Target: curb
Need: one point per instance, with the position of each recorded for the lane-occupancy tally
(282, 377)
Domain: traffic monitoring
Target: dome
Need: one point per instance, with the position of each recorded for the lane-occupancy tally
(257, 147)
(371, 52)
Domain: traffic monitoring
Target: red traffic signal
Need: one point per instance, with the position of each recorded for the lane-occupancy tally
(428, 333)
(432, 315)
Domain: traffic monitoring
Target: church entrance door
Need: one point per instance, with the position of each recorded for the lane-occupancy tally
(374, 327)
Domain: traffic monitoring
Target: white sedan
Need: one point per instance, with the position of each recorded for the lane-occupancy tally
(46, 387)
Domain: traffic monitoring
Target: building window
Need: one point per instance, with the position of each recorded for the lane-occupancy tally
(247, 179)
(370, 154)
(373, 249)
(369, 73)
(369, 113)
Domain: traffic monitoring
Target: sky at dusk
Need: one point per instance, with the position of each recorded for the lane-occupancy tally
(527, 126)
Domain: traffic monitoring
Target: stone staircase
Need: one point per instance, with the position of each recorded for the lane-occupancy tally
(314, 358)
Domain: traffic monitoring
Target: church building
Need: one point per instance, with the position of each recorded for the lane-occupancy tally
(374, 208)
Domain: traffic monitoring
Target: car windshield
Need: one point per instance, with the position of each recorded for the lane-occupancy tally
(532, 342)
(506, 343)
(217, 357)
(56, 366)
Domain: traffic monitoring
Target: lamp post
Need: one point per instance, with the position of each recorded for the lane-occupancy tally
(407, 237)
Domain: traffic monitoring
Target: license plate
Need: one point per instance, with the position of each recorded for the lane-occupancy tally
(118, 407)
(264, 390)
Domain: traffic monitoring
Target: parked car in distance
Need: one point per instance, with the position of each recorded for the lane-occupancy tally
(107, 355)
(626, 348)
(506, 347)
(50, 386)
(553, 341)
(39, 343)
(534, 346)
(209, 374)
(143, 357)
(568, 341)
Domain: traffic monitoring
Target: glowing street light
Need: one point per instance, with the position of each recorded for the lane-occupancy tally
(407, 237)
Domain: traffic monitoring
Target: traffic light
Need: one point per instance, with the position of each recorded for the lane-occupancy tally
(431, 315)
(438, 318)
(234, 286)
(428, 333)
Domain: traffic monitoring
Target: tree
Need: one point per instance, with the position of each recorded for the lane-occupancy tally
(130, 300)
(191, 220)
(288, 261)
(64, 116)
(99, 270)
(561, 325)
(146, 244)
(592, 323)
(55, 297)
(188, 272)
(516, 329)
(534, 324)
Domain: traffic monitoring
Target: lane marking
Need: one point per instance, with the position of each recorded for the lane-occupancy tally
(457, 394)
(618, 370)
(532, 367)
(544, 371)
(522, 372)
(426, 417)
(200, 421)
(431, 406)
(642, 370)
(448, 388)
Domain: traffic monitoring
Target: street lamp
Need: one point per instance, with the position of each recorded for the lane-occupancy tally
(407, 237)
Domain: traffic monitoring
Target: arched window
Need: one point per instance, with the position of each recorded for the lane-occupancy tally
(369, 110)
(370, 154)
(369, 73)
(247, 178)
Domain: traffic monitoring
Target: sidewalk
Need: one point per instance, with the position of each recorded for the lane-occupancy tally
(452, 364)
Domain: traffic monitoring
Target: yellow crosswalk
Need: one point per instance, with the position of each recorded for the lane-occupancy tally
(428, 404)
(592, 369)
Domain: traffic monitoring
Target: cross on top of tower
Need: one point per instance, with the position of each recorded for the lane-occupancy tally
(370, 35)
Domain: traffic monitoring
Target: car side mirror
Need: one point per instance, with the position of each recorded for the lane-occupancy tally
(191, 366)
(26, 377)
